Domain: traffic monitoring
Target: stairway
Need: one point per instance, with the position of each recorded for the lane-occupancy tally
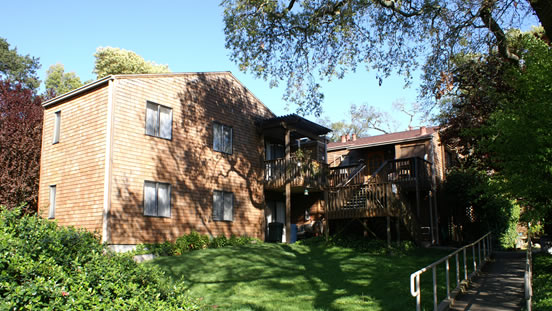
(375, 196)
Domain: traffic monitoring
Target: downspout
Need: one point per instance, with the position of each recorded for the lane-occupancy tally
(106, 234)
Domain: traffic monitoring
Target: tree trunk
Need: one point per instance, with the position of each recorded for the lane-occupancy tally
(543, 9)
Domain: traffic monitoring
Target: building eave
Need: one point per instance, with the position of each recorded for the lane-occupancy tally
(77, 91)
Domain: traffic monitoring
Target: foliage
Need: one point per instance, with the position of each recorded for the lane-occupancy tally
(20, 140)
(49, 267)
(361, 121)
(60, 82)
(15, 67)
(499, 118)
(542, 287)
(302, 276)
(191, 242)
(120, 61)
(477, 202)
(302, 42)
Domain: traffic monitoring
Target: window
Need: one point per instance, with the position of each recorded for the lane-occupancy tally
(223, 205)
(57, 124)
(52, 209)
(158, 120)
(222, 138)
(157, 199)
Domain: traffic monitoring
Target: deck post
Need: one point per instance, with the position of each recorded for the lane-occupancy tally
(288, 186)
(388, 221)
(417, 187)
(326, 220)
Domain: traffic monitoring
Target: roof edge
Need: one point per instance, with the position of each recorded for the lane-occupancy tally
(389, 142)
(77, 91)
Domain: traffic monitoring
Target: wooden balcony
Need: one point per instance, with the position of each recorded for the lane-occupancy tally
(306, 173)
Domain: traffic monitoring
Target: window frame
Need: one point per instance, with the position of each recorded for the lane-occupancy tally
(224, 194)
(156, 199)
(157, 129)
(52, 205)
(57, 127)
(222, 127)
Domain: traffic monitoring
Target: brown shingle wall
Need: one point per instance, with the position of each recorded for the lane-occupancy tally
(75, 164)
(188, 161)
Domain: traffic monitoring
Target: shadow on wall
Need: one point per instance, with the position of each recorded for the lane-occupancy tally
(194, 170)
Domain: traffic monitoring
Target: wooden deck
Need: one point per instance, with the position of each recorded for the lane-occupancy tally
(307, 174)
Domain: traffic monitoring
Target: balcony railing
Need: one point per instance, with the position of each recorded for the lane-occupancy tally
(305, 173)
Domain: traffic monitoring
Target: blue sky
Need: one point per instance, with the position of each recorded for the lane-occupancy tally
(186, 35)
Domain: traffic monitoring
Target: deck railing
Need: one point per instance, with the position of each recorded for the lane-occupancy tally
(483, 244)
(406, 170)
(347, 175)
(307, 172)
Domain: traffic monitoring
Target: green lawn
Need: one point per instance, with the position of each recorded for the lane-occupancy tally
(300, 277)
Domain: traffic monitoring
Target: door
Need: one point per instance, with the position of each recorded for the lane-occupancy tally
(276, 212)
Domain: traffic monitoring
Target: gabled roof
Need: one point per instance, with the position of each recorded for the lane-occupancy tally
(385, 139)
(105, 80)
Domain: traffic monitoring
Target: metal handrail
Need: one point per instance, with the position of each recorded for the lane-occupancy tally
(482, 244)
(529, 272)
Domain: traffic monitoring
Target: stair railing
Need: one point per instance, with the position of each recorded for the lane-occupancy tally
(483, 244)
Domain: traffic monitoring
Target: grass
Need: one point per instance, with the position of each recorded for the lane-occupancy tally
(542, 281)
(302, 277)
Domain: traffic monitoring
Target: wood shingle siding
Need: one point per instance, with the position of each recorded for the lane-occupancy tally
(76, 163)
(187, 161)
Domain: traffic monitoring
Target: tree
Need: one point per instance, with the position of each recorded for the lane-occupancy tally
(60, 82)
(301, 42)
(20, 140)
(16, 67)
(119, 61)
(362, 119)
(499, 116)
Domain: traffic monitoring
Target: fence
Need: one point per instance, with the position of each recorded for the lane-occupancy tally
(482, 244)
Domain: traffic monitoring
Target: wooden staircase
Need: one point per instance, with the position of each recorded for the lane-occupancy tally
(361, 195)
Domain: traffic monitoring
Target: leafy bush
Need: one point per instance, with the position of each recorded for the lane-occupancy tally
(44, 266)
(218, 242)
(542, 287)
(191, 242)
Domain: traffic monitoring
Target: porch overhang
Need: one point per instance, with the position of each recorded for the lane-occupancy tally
(299, 127)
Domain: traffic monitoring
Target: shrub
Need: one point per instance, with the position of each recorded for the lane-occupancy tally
(190, 242)
(542, 287)
(44, 266)
(218, 242)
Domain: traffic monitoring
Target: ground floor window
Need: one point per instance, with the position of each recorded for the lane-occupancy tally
(223, 205)
(157, 199)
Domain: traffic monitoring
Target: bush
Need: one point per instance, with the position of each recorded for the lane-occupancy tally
(191, 242)
(219, 241)
(542, 287)
(44, 266)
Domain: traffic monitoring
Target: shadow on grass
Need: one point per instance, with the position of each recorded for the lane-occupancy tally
(298, 277)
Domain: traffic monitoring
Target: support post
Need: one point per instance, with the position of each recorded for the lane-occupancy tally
(326, 220)
(431, 223)
(388, 221)
(288, 186)
(417, 187)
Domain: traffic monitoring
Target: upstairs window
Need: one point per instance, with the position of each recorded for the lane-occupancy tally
(157, 199)
(222, 138)
(223, 205)
(52, 208)
(57, 125)
(158, 120)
